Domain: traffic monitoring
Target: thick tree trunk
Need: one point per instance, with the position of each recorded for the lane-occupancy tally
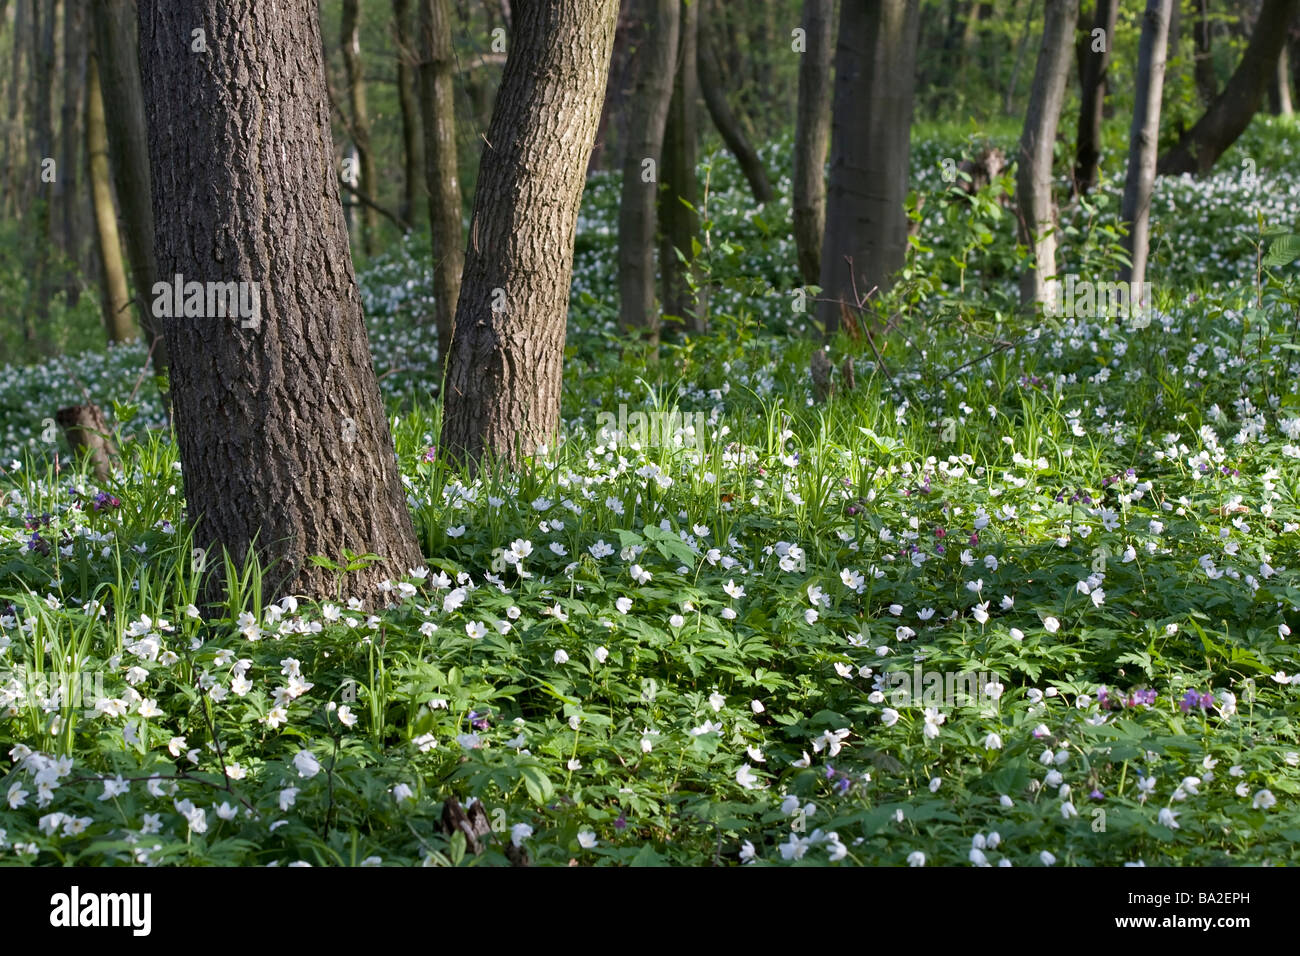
(866, 224)
(113, 29)
(1094, 57)
(1036, 207)
(1279, 89)
(812, 133)
(652, 88)
(1231, 112)
(1144, 137)
(503, 381)
(441, 169)
(281, 428)
(710, 74)
(114, 295)
(679, 227)
(350, 43)
(406, 103)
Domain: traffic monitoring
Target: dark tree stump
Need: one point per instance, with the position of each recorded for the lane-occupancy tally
(88, 434)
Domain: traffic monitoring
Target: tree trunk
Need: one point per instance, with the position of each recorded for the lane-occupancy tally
(45, 15)
(762, 46)
(1207, 84)
(113, 30)
(406, 102)
(15, 142)
(812, 133)
(441, 169)
(652, 88)
(350, 42)
(1231, 112)
(866, 225)
(1036, 208)
(616, 84)
(88, 436)
(710, 75)
(679, 227)
(1144, 137)
(503, 381)
(282, 432)
(115, 297)
(1008, 105)
(1279, 89)
(71, 139)
(1094, 57)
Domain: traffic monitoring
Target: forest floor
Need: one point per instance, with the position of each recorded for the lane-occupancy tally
(1024, 594)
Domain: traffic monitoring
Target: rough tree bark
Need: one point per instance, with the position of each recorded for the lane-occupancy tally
(282, 432)
(406, 104)
(1144, 137)
(1094, 57)
(359, 127)
(113, 33)
(651, 65)
(710, 75)
(812, 133)
(503, 381)
(679, 227)
(441, 168)
(1230, 113)
(114, 297)
(1035, 206)
(866, 224)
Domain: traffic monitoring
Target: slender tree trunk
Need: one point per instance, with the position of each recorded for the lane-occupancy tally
(45, 15)
(616, 84)
(1231, 112)
(15, 166)
(1279, 89)
(679, 226)
(350, 42)
(812, 133)
(406, 102)
(503, 382)
(1036, 207)
(1144, 137)
(282, 432)
(1008, 105)
(761, 49)
(1094, 57)
(1207, 84)
(866, 224)
(114, 34)
(441, 168)
(71, 140)
(115, 297)
(652, 89)
(710, 74)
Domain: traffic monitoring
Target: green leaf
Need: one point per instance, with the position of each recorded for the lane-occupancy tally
(1283, 251)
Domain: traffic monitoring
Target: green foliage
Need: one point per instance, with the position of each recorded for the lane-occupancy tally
(686, 643)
